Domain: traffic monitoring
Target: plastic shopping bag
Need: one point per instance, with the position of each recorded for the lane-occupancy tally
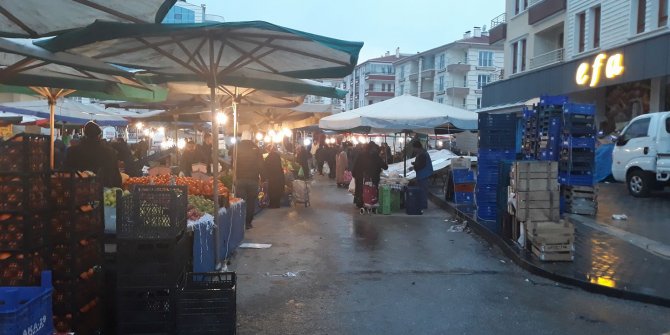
(352, 186)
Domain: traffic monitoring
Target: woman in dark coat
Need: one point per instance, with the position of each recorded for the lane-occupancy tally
(368, 165)
(274, 175)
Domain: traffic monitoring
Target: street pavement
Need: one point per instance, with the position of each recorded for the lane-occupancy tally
(331, 270)
(648, 217)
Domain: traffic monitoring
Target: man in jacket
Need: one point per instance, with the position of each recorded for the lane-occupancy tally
(248, 170)
(93, 154)
(423, 166)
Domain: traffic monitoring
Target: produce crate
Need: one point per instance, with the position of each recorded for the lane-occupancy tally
(152, 263)
(152, 212)
(21, 269)
(488, 121)
(71, 260)
(575, 179)
(23, 192)
(72, 190)
(582, 109)
(25, 153)
(553, 100)
(22, 232)
(463, 176)
(570, 142)
(27, 310)
(141, 311)
(77, 225)
(580, 199)
(206, 304)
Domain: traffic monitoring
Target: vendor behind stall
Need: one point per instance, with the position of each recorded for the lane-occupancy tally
(93, 154)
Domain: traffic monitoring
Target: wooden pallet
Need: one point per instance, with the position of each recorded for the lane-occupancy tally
(567, 256)
(580, 192)
(537, 206)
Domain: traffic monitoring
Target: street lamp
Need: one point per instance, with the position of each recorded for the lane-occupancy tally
(139, 125)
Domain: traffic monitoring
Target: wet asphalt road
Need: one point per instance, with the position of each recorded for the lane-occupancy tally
(398, 274)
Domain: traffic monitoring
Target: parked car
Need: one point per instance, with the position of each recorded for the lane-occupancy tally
(641, 156)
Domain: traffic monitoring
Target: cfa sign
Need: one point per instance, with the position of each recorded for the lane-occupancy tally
(591, 73)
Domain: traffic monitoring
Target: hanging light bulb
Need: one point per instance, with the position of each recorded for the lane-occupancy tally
(233, 140)
(259, 136)
(161, 130)
(146, 132)
(272, 133)
(267, 139)
(287, 132)
(181, 143)
(139, 125)
(277, 138)
(361, 139)
(306, 142)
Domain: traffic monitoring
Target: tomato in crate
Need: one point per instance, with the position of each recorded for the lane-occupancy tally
(21, 232)
(20, 269)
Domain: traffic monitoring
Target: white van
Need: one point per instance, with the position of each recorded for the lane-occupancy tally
(641, 156)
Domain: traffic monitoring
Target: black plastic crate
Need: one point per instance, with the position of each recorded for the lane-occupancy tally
(576, 167)
(22, 268)
(77, 295)
(74, 190)
(23, 192)
(77, 224)
(152, 264)
(22, 231)
(75, 259)
(152, 212)
(207, 304)
(25, 153)
(145, 311)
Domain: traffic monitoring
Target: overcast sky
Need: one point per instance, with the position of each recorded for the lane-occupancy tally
(412, 25)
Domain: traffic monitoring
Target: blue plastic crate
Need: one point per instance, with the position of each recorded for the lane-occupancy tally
(27, 310)
(529, 113)
(575, 180)
(487, 193)
(553, 100)
(548, 155)
(464, 198)
(582, 109)
(571, 142)
(463, 176)
(494, 155)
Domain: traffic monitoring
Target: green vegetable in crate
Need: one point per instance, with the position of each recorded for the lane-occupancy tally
(202, 204)
(110, 196)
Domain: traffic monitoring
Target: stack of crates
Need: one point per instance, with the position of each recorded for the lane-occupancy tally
(549, 114)
(577, 158)
(530, 143)
(152, 256)
(24, 209)
(464, 189)
(27, 310)
(76, 252)
(497, 142)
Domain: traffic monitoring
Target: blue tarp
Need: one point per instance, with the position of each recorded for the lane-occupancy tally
(603, 162)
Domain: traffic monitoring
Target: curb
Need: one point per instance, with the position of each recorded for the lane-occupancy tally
(511, 251)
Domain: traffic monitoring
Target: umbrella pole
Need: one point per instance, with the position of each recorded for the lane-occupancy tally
(404, 158)
(236, 142)
(215, 147)
(52, 121)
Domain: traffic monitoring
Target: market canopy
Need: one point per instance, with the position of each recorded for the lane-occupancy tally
(39, 18)
(67, 111)
(211, 49)
(401, 113)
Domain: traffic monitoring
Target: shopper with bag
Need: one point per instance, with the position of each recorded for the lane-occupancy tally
(302, 157)
(367, 168)
(248, 170)
(423, 165)
(273, 174)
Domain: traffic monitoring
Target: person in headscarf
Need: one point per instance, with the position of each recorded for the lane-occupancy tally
(274, 175)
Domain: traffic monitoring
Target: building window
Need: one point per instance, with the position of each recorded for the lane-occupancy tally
(523, 55)
(596, 27)
(402, 71)
(641, 15)
(515, 57)
(483, 80)
(383, 87)
(371, 87)
(441, 101)
(402, 89)
(479, 103)
(662, 13)
(441, 62)
(464, 102)
(486, 58)
(581, 27)
(440, 84)
(520, 6)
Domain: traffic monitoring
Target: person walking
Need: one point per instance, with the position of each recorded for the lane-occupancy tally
(93, 154)
(341, 166)
(274, 175)
(302, 157)
(248, 171)
(368, 166)
(205, 151)
(331, 158)
(189, 157)
(423, 166)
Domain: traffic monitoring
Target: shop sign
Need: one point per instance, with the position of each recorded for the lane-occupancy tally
(590, 73)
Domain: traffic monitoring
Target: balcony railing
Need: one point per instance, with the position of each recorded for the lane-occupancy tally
(498, 20)
(551, 57)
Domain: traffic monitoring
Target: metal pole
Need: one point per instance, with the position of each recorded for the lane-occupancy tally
(215, 146)
(236, 142)
(52, 122)
(404, 158)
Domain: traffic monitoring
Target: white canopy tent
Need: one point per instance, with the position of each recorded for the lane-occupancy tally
(401, 113)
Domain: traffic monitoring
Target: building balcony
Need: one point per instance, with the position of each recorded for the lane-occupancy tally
(442, 69)
(428, 73)
(428, 95)
(551, 57)
(382, 77)
(498, 30)
(542, 9)
(459, 67)
(369, 93)
(414, 76)
(441, 91)
(457, 88)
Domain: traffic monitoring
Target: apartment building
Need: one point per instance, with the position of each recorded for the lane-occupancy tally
(613, 53)
(452, 74)
(371, 81)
